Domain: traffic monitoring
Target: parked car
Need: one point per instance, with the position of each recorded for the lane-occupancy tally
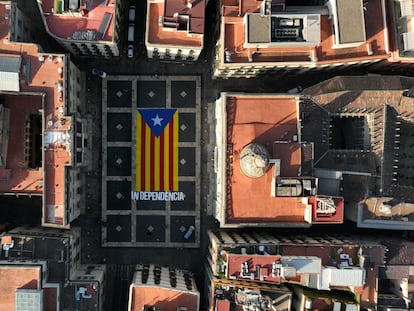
(130, 51)
(99, 73)
(131, 13)
(189, 232)
(131, 28)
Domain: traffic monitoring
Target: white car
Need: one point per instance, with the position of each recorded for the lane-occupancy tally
(189, 232)
(130, 51)
(131, 13)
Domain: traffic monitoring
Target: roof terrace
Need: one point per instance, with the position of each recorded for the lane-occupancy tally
(268, 124)
(334, 33)
(38, 143)
(91, 20)
(176, 22)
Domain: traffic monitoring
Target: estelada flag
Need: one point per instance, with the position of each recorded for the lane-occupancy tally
(157, 149)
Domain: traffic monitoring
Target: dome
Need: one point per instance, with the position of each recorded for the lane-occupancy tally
(254, 160)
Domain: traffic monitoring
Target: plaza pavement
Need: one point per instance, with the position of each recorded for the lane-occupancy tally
(135, 223)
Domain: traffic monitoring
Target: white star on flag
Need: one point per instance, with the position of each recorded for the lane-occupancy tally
(157, 120)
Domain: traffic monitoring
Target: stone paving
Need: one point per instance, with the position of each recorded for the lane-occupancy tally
(128, 222)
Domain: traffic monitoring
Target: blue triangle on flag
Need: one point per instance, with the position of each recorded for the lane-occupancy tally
(157, 118)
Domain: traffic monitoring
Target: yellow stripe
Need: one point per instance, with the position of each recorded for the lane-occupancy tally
(166, 157)
(156, 164)
(138, 153)
(175, 146)
(148, 158)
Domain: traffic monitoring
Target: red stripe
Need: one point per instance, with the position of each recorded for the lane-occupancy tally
(162, 162)
(143, 132)
(152, 161)
(171, 155)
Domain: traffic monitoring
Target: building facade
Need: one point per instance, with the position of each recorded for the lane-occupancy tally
(261, 160)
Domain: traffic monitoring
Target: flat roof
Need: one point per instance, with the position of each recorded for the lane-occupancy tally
(157, 34)
(233, 36)
(262, 119)
(84, 23)
(23, 277)
(331, 250)
(162, 298)
(41, 94)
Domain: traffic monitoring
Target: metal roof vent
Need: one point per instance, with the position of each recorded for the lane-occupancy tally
(254, 160)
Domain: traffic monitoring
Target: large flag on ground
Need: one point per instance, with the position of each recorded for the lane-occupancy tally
(157, 149)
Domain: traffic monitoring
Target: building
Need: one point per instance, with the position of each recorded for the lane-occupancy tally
(175, 29)
(270, 36)
(41, 267)
(334, 265)
(401, 35)
(396, 287)
(232, 295)
(42, 134)
(162, 288)
(362, 132)
(84, 28)
(264, 168)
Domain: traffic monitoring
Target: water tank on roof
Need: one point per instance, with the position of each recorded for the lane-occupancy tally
(254, 160)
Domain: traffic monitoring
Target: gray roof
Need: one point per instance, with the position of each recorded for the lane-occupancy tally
(351, 22)
(258, 28)
(9, 73)
(10, 64)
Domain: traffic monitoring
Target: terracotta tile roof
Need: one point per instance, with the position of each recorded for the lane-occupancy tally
(157, 34)
(162, 298)
(65, 25)
(234, 42)
(42, 92)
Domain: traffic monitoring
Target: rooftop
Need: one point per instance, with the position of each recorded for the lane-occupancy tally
(28, 248)
(329, 262)
(35, 164)
(27, 279)
(362, 129)
(175, 22)
(162, 288)
(234, 295)
(303, 34)
(280, 194)
(91, 20)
